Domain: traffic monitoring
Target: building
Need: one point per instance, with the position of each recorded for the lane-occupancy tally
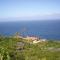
(31, 38)
(35, 41)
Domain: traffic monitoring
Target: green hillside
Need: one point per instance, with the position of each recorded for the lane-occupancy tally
(19, 49)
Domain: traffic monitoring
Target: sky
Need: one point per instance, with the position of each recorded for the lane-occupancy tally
(11, 10)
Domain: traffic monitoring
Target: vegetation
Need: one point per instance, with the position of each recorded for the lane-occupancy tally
(18, 49)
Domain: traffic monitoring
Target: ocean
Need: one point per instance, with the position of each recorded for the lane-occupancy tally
(47, 29)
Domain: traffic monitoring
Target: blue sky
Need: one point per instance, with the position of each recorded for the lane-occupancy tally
(29, 9)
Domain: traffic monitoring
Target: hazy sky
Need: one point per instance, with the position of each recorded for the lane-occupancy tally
(29, 9)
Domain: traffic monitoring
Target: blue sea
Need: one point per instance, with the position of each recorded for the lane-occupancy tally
(48, 29)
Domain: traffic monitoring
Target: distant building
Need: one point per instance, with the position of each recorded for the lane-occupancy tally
(35, 41)
(40, 40)
(31, 38)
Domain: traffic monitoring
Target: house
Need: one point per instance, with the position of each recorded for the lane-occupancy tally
(40, 40)
(35, 41)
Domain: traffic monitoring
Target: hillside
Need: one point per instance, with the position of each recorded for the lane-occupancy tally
(20, 49)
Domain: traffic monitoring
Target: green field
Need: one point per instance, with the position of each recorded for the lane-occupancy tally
(19, 49)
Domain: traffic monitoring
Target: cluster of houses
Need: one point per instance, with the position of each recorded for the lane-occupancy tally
(32, 39)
